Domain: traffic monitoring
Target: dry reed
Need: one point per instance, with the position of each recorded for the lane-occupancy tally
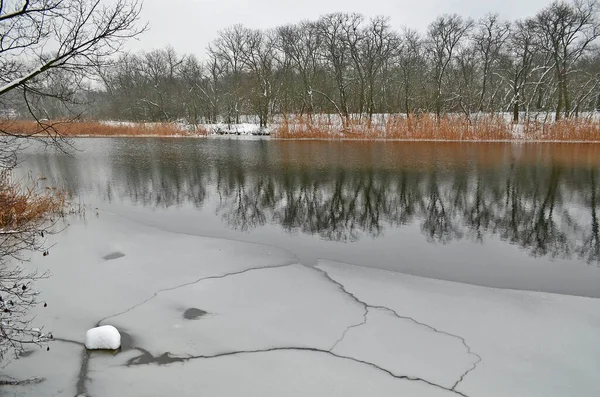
(22, 207)
(94, 128)
(447, 128)
(395, 127)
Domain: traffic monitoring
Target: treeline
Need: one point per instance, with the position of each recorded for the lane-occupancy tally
(348, 65)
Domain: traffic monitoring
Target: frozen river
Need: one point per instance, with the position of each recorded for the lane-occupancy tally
(270, 268)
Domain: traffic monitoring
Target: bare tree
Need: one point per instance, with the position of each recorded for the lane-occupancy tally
(228, 48)
(380, 47)
(25, 220)
(259, 56)
(519, 63)
(445, 35)
(82, 35)
(489, 40)
(412, 66)
(301, 44)
(335, 51)
(567, 31)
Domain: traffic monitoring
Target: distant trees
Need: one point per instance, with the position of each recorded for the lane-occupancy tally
(355, 67)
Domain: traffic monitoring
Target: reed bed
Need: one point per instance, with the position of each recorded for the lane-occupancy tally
(447, 128)
(94, 128)
(389, 127)
(585, 130)
(23, 207)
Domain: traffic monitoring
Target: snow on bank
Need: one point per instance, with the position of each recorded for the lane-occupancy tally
(330, 126)
(185, 128)
(238, 129)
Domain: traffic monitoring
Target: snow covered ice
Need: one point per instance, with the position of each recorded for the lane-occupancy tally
(265, 325)
(105, 337)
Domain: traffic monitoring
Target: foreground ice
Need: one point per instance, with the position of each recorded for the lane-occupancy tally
(262, 309)
(272, 374)
(200, 315)
(530, 344)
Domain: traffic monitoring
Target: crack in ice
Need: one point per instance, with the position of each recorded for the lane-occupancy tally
(166, 358)
(84, 368)
(154, 295)
(363, 322)
(10, 381)
(368, 306)
(464, 342)
(146, 358)
(82, 376)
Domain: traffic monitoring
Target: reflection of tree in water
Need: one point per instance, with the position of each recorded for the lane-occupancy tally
(527, 205)
(546, 207)
(589, 247)
(158, 175)
(438, 214)
(334, 205)
(243, 207)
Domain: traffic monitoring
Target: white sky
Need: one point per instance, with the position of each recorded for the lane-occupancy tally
(189, 25)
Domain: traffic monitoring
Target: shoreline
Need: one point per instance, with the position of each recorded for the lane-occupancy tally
(424, 129)
(271, 137)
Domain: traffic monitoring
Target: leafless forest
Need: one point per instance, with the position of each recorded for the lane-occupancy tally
(352, 67)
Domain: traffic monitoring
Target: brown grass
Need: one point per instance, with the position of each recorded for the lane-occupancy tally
(564, 130)
(23, 207)
(418, 128)
(94, 128)
(450, 128)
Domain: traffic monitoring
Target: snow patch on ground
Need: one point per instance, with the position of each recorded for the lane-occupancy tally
(105, 337)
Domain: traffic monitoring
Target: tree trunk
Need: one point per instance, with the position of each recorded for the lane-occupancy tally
(566, 95)
(559, 104)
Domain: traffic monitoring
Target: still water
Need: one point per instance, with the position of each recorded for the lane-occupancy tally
(521, 216)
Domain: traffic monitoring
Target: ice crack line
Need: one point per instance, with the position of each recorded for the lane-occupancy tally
(10, 381)
(363, 322)
(367, 306)
(83, 371)
(154, 295)
(146, 358)
(82, 376)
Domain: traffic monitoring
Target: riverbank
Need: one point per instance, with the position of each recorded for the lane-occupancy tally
(425, 128)
(77, 129)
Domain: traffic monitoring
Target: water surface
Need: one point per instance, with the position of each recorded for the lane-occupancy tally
(519, 216)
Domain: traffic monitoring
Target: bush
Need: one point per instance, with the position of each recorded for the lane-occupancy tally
(26, 217)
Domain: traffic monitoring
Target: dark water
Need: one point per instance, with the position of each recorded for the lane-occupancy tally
(517, 216)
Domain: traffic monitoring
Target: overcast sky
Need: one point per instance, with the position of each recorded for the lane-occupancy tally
(189, 25)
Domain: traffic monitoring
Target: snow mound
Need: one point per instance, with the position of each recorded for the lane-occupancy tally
(105, 337)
